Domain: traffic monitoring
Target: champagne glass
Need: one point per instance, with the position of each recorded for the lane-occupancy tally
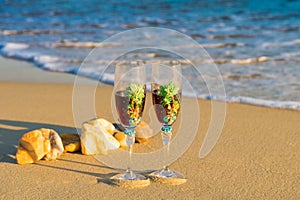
(130, 95)
(166, 97)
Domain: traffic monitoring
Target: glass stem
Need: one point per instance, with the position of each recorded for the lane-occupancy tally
(130, 139)
(166, 167)
(166, 137)
(129, 160)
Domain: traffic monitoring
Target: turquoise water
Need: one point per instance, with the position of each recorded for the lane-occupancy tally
(256, 44)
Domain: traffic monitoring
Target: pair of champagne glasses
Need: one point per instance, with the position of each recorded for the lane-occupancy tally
(130, 96)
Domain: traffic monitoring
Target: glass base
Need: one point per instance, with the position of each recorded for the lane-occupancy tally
(169, 174)
(129, 177)
(130, 180)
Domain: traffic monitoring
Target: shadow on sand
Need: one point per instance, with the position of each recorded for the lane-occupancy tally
(100, 177)
(11, 132)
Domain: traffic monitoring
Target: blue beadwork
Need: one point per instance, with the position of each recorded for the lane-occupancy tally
(166, 129)
(129, 131)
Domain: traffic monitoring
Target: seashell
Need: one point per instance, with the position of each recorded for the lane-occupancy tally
(38, 144)
(95, 139)
(103, 123)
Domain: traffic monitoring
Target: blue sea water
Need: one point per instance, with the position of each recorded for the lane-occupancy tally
(256, 44)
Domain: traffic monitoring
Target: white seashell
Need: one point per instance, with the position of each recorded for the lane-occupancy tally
(95, 138)
(103, 123)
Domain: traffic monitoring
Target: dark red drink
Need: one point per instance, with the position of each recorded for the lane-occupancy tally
(122, 103)
(165, 111)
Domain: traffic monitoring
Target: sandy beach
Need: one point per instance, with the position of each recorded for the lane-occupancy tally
(256, 157)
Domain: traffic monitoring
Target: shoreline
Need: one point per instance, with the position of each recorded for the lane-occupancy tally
(24, 71)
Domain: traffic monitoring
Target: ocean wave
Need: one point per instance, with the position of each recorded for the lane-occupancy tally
(46, 59)
(291, 105)
(31, 32)
(297, 41)
(260, 17)
(244, 61)
(284, 57)
(153, 21)
(16, 51)
(14, 46)
(13, 50)
(285, 29)
(83, 45)
(221, 36)
(224, 36)
(214, 19)
(280, 44)
(237, 77)
(132, 25)
(223, 45)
